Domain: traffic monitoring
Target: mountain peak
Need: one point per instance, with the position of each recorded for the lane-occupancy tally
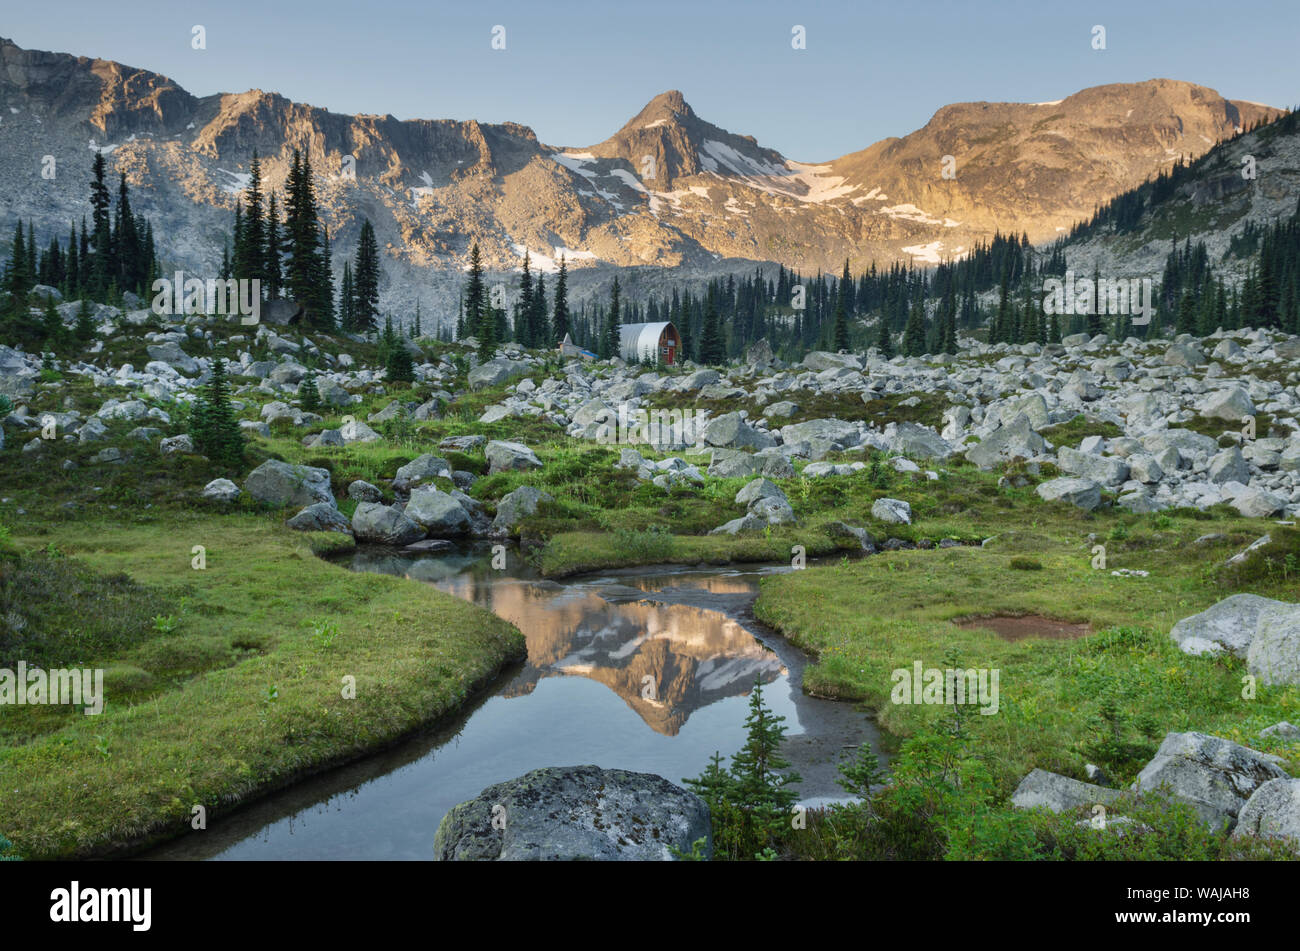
(670, 104)
(666, 109)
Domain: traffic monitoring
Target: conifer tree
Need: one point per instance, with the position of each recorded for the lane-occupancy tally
(347, 301)
(712, 349)
(612, 337)
(18, 280)
(306, 273)
(72, 268)
(251, 246)
(1000, 329)
(213, 427)
(841, 341)
(946, 318)
(1094, 322)
(309, 393)
(387, 339)
(883, 342)
(51, 324)
(129, 258)
(750, 804)
(1186, 317)
(101, 264)
(524, 306)
(323, 283)
(475, 296)
(757, 768)
(83, 258)
(84, 329)
(914, 332)
(560, 306)
(271, 274)
(399, 365)
(539, 324)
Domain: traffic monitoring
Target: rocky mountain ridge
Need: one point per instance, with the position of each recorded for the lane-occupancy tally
(668, 190)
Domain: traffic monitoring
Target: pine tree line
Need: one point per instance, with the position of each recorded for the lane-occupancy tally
(112, 254)
(291, 258)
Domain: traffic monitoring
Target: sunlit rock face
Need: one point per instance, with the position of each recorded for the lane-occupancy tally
(654, 193)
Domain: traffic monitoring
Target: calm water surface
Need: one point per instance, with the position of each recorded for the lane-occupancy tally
(647, 670)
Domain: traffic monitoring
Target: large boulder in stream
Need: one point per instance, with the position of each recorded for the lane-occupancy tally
(384, 525)
(575, 812)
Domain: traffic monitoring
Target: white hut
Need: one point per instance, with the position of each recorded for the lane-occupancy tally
(656, 343)
(569, 349)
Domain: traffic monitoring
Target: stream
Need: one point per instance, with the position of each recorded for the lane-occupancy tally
(645, 669)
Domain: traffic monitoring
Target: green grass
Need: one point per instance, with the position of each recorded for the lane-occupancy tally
(1078, 429)
(1061, 700)
(245, 694)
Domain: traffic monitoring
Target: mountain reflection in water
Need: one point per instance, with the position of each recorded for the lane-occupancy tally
(580, 698)
(665, 660)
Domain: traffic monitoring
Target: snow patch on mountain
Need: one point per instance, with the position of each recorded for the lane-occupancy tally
(548, 264)
(628, 179)
(238, 183)
(929, 253)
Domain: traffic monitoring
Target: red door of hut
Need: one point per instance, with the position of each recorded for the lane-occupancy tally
(667, 347)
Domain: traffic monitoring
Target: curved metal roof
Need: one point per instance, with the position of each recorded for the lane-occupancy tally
(640, 341)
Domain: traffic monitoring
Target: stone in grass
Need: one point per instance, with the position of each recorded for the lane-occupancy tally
(1041, 789)
(732, 431)
(384, 525)
(437, 512)
(759, 489)
(221, 490)
(320, 517)
(892, 511)
(1282, 730)
(838, 529)
(355, 431)
(1081, 493)
(1273, 812)
(773, 511)
(1213, 775)
(423, 468)
(363, 491)
(503, 456)
(575, 812)
(1274, 654)
(462, 443)
(749, 522)
(1255, 502)
(519, 504)
(279, 483)
(1228, 626)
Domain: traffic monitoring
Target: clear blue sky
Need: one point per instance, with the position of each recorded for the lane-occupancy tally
(576, 71)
